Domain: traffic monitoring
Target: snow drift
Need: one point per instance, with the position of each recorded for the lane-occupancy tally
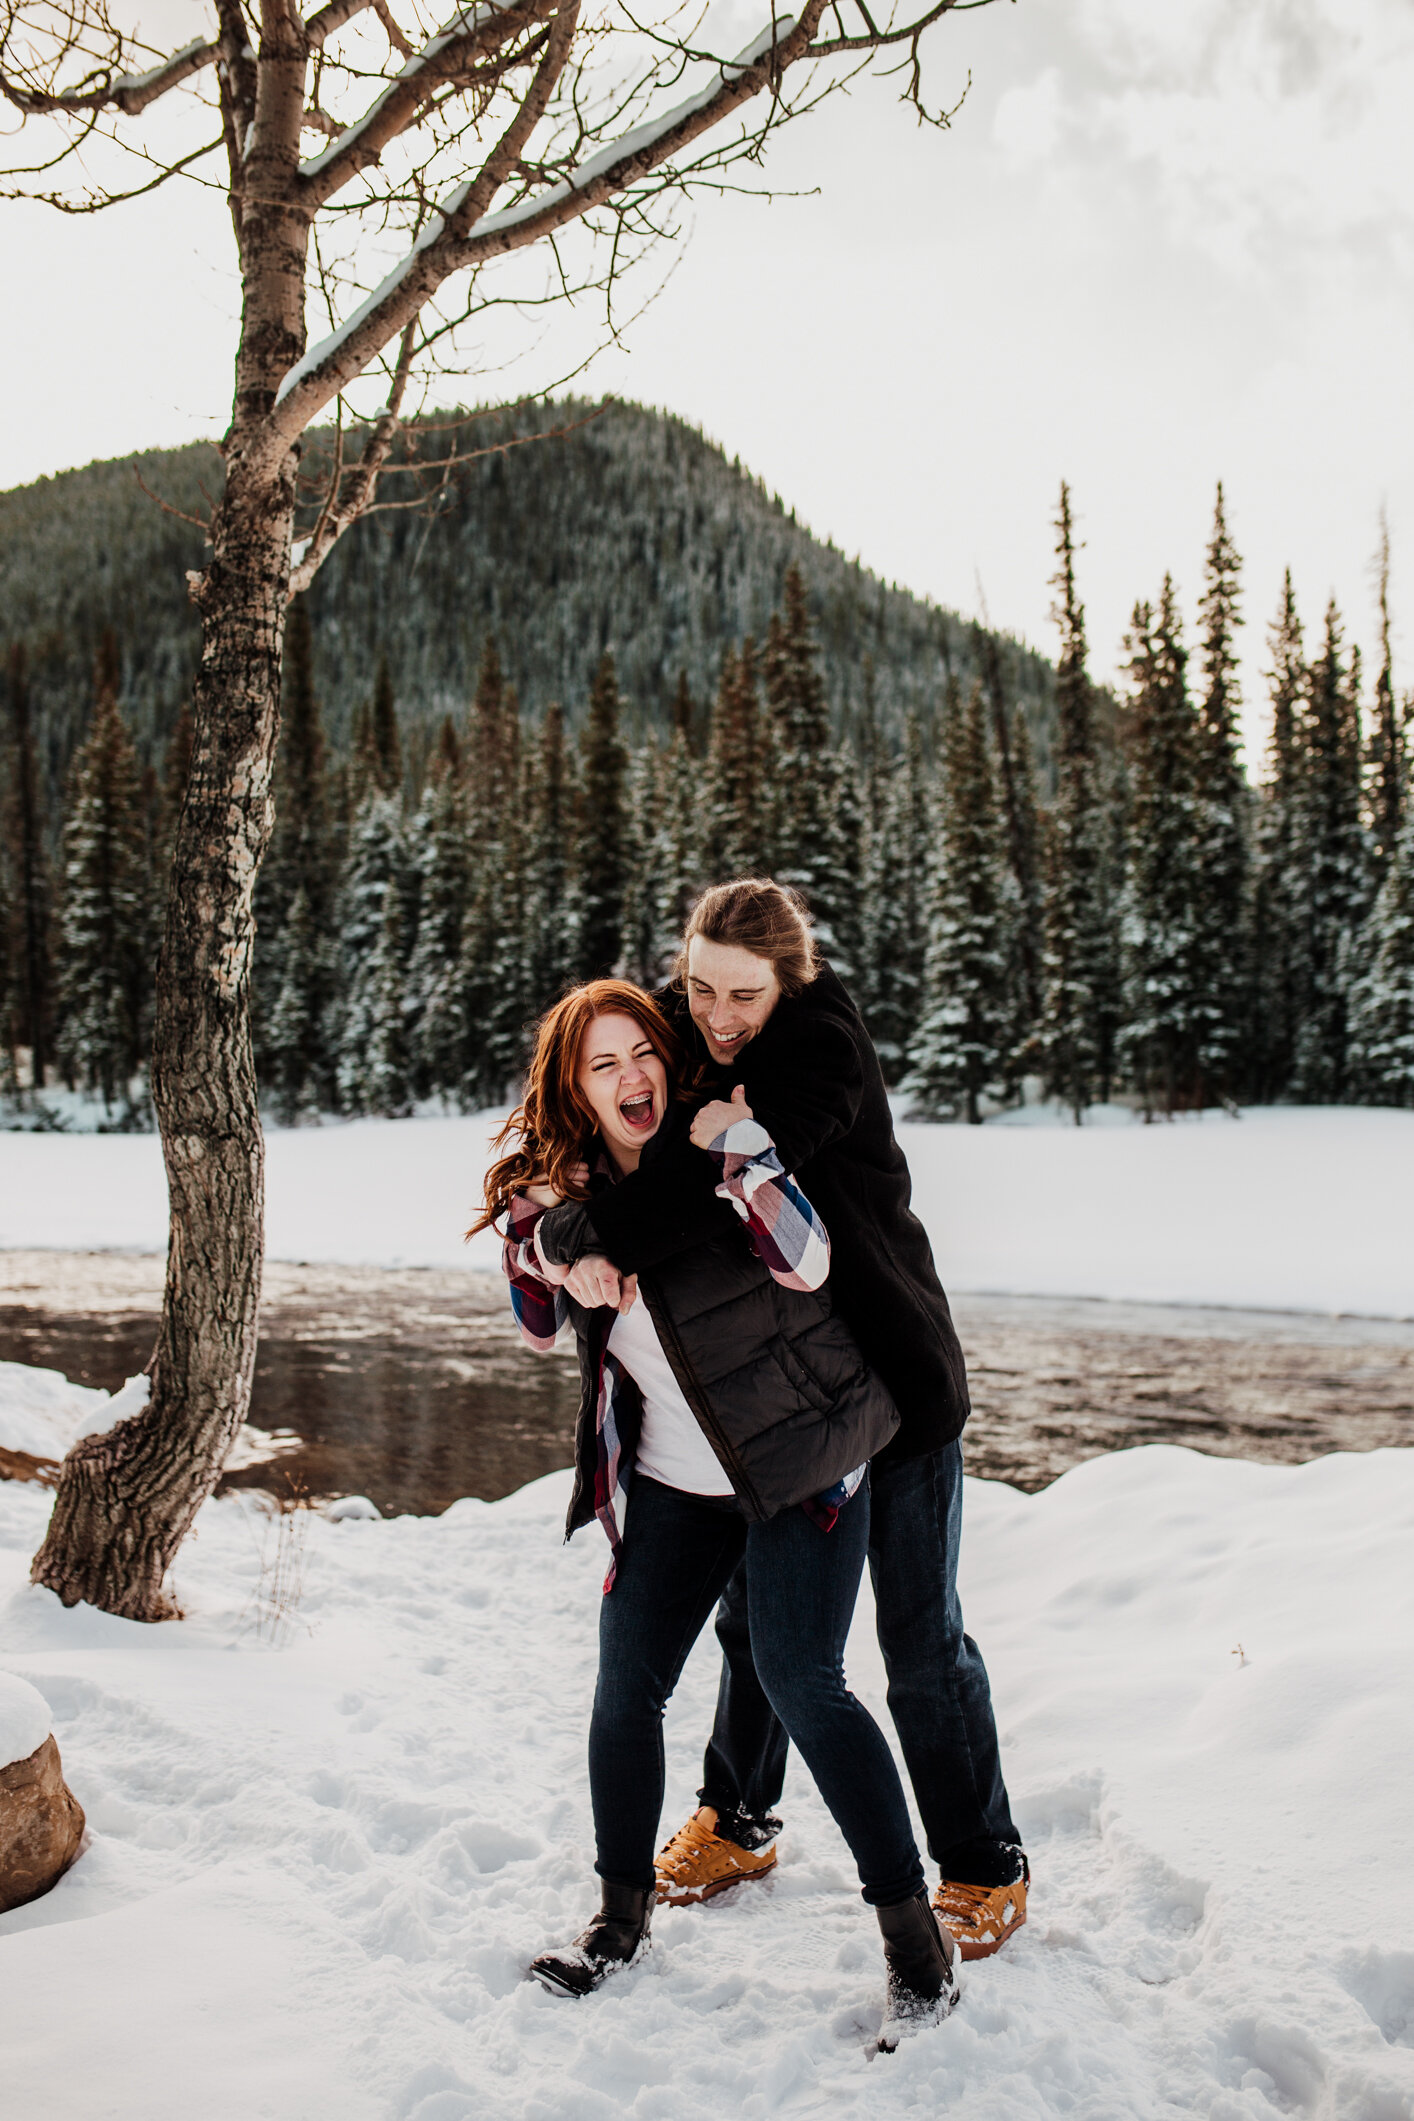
(327, 1840)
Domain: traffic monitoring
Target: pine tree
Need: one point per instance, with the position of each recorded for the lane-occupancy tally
(552, 865)
(958, 1056)
(839, 883)
(1222, 942)
(897, 892)
(681, 861)
(1080, 1011)
(1279, 899)
(1161, 1041)
(384, 740)
(442, 859)
(105, 939)
(9, 1075)
(1016, 777)
(176, 770)
(739, 787)
(683, 712)
(492, 923)
(807, 854)
(295, 1064)
(300, 859)
(31, 976)
(1382, 1000)
(1389, 768)
(514, 1004)
(375, 865)
(643, 889)
(603, 821)
(385, 1089)
(1332, 853)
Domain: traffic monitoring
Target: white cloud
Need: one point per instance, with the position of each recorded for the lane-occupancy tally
(1026, 124)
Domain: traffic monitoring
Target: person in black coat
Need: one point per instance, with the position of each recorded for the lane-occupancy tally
(727, 1422)
(767, 1016)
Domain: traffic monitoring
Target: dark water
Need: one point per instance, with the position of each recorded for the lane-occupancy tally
(413, 1412)
(412, 1387)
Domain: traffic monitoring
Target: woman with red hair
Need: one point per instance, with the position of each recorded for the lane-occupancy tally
(726, 1417)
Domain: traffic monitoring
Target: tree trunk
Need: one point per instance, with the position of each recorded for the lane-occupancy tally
(127, 1499)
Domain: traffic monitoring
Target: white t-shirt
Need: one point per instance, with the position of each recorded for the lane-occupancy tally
(671, 1446)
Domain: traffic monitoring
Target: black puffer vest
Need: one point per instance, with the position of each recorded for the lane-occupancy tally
(773, 1375)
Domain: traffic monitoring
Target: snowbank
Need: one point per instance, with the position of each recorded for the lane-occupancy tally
(25, 1721)
(1284, 1209)
(326, 1842)
(42, 1413)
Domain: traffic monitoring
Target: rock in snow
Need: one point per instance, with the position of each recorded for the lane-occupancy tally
(41, 1822)
(326, 1843)
(356, 1509)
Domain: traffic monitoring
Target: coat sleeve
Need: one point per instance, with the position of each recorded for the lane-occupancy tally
(805, 1083)
(539, 1309)
(790, 1240)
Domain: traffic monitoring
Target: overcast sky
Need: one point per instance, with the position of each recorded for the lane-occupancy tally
(1160, 246)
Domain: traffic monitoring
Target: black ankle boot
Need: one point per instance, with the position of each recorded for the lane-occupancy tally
(922, 1964)
(616, 1938)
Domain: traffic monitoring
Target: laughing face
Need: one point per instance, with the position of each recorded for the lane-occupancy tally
(730, 994)
(624, 1084)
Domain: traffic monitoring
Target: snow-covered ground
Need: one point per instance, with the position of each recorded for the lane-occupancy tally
(1286, 1208)
(325, 1845)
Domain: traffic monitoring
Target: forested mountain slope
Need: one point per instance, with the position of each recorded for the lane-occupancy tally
(632, 532)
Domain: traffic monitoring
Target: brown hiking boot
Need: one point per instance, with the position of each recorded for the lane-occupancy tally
(980, 1918)
(699, 1862)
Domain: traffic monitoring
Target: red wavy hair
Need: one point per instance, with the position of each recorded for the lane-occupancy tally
(553, 1126)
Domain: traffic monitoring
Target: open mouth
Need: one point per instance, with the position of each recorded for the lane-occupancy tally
(728, 1039)
(637, 1112)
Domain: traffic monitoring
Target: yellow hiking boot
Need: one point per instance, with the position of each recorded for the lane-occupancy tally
(980, 1918)
(699, 1862)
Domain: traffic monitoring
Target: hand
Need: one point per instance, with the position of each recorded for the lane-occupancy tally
(714, 1119)
(543, 1195)
(595, 1281)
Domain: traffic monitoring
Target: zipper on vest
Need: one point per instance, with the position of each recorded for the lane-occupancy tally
(696, 1398)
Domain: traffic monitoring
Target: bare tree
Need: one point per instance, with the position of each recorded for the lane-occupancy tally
(449, 157)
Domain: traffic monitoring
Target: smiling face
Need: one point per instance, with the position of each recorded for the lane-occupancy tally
(730, 994)
(625, 1085)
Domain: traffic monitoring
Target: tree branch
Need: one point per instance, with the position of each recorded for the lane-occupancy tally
(129, 93)
(447, 58)
(876, 39)
(321, 27)
(98, 202)
(462, 233)
(343, 509)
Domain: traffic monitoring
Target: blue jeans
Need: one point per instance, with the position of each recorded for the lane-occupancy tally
(799, 1585)
(939, 1697)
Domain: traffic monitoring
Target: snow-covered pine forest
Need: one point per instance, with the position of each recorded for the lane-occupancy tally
(1134, 919)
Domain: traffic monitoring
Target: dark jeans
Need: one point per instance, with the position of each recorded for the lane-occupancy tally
(679, 1554)
(938, 1693)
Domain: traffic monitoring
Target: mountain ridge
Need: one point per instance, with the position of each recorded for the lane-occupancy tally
(631, 532)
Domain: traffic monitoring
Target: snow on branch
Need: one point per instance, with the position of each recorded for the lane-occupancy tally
(129, 93)
(470, 33)
(461, 233)
(321, 27)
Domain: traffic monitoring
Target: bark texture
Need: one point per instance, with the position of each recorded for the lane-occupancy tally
(126, 1499)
